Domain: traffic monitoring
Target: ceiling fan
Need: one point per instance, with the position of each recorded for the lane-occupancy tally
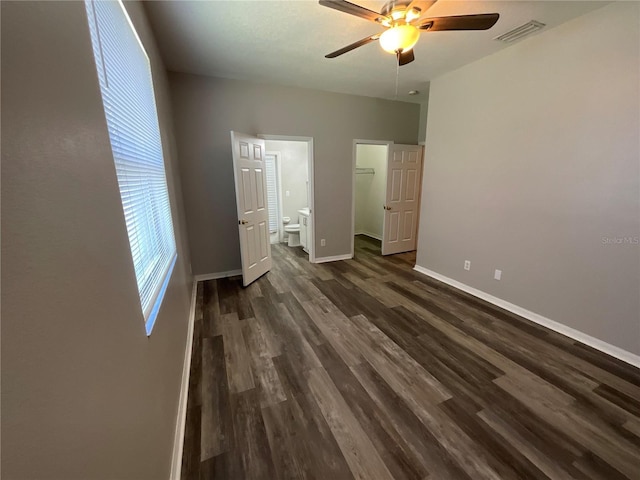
(404, 20)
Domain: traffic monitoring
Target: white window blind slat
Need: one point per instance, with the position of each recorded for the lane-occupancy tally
(124, 74)
(272, 193)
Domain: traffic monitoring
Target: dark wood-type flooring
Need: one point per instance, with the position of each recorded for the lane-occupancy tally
(365, 369)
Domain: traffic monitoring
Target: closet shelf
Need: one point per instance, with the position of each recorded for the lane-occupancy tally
(365, 171)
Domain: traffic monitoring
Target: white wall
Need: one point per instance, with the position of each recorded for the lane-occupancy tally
(371, 190)
(294, 173)
(532, 165)
(85, 393)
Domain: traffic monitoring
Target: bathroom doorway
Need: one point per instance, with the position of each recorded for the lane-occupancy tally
(289, 174)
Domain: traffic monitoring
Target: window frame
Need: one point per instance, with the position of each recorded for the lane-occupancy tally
(163, 235)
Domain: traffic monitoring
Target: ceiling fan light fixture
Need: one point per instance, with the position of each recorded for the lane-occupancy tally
(399, 38)
(412, 14)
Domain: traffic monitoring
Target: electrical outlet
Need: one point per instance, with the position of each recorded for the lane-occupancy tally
(467, 264)
(323, 242)
(497, 275)
(287, 193)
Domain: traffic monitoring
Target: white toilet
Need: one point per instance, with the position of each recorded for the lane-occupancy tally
(293, 232)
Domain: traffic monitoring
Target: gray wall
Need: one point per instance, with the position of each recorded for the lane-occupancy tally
(532, 164)
(207, 108)
(85, 394)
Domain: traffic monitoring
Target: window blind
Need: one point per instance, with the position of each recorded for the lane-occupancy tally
(272, 193)
(124, 75)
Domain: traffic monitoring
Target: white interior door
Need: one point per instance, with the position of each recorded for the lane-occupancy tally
(251, 200)
(402, 200)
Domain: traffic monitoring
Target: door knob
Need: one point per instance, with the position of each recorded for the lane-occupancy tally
(242, 222)
(384, 207)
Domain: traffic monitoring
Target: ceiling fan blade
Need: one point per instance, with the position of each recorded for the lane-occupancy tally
(406, 57)
(423, 5)
(353, 46)
(483, 21)
(353, 9)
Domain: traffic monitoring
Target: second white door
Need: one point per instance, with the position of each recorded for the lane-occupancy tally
(402, 199)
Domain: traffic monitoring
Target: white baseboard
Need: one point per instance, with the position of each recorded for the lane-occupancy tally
(368, 234)
(178, 441)
(596, 343)
(213, 276)
(335, 258)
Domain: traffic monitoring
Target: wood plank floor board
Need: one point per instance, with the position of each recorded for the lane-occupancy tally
(598, 438)
(288, 463)
(227, 295)
(566, 379)
(377, 289)
(309, 329)
(631, 405)
(593, 467)
(389, 443)
(579, 354)
(265, 376)
(333, 334)
(633, 426)
(453, 302)
(194, 397)
(550, 365)
(435, 458)
(356, 446)
(322, 448)
(295, 343)
(191, 462)
(504, 457)
(544, 463)
(216, 431)
(215, 467)
(251, 446)
(333, 291)
(237, 359)
(366, 369)
(293, 380)
(612, 365)
(264, 313)
(206, 306)
(548, 437)
(398, 366)
(269, 292)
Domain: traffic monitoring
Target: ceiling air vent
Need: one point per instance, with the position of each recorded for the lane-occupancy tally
(520, 32)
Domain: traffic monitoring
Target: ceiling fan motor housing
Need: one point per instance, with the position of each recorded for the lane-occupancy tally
(394, 5)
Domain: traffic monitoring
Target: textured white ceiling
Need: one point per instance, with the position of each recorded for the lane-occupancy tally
(284, 42)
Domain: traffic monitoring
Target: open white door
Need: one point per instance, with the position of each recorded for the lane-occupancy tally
(251, 200)
(403, 196)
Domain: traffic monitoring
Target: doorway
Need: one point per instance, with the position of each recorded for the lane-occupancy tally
(370, 189)
(289, 174)
(387, 180)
